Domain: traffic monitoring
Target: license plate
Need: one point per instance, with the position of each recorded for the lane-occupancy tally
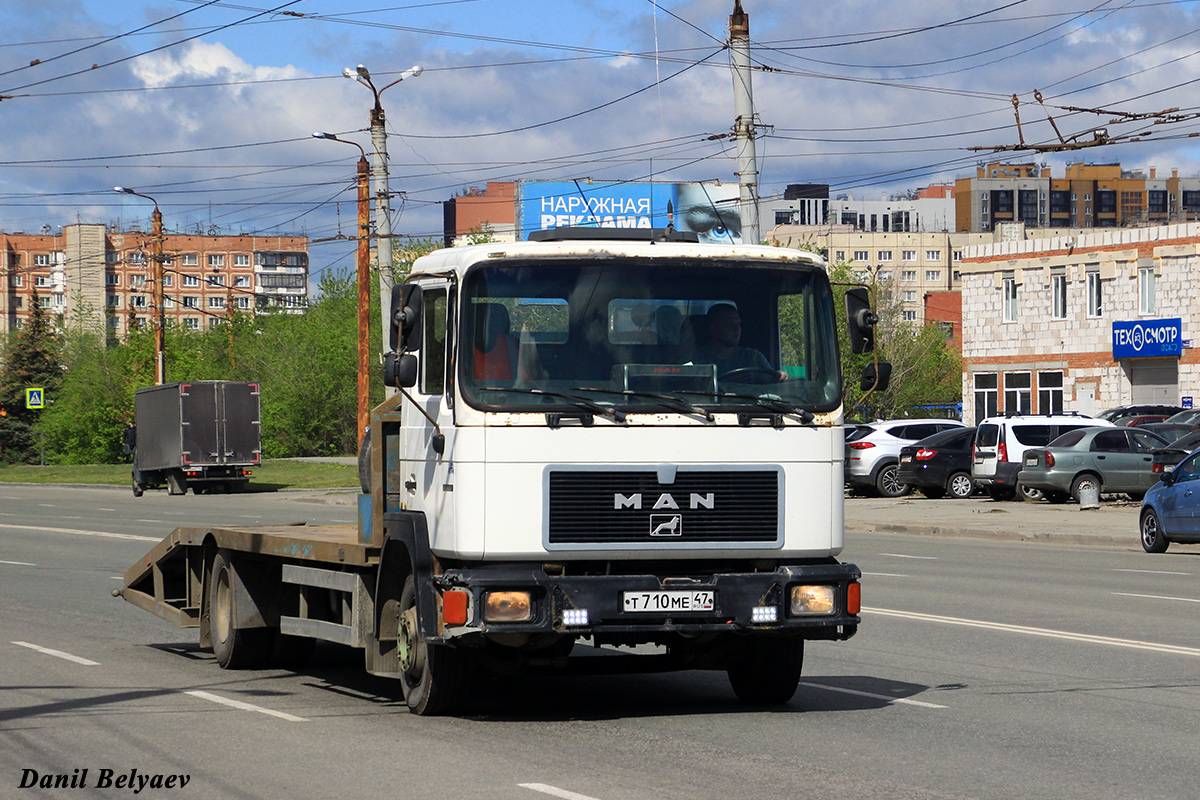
(1031, 461)
(905, 459)
(668, 601)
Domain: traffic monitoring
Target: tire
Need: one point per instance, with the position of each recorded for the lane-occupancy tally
(235, 648)
(960, 486)
(1001, 493)
(176, 483)
(436, 678)
(1153, 540)
(933, 492)
(1083, 481)
(1029, 493)
(767, 670)
(888, 484)
(1057, 498)
(138, 488)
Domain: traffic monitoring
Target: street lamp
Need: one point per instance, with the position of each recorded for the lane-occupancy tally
(160, 346)
(383, 214)
(363, 264)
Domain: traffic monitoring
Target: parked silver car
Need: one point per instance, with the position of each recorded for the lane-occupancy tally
(873, 452)
(1107, 459)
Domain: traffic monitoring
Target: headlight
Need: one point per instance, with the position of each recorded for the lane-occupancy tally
(812, 600)
(507, 607)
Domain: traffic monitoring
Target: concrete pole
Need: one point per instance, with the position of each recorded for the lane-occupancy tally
(743, 126)
(383, 219)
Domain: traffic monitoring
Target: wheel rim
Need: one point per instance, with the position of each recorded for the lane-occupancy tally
(961, 486)
(889, 482)
(1149, 530)
(223, 608)
(410, 649)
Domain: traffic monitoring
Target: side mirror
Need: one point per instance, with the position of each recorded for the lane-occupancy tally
(400, 370)
(405, 316)
(879, 382)
(1168, 478)
(860, 320)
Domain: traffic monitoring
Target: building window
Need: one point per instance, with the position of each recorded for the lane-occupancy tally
(137, 258)
(1146, 304)
(1095, 299)
(910, 296)
(216, 302)
(986, 396)
(112, 257)
(16, 281)
(168, 280)
(956, 255)
(1050, 393)
(885, 255)
(41, 281)
(241, 260)
(862, 255)
(40, 260)
(839, 255)
(1010, 300)
(189, 260)
(908, 275)
(241, 281)
(112, 280)
(885, 275)
(114, 300)
(933, 276)
(216, 260)
(137, 301)
(190, 301)
(908, 255)
(243, 302)
(1058, 296)
(216, 280)
(909, 316)
(1017, 395)
(190, 281)
(192, 323)
(168, 302)
(137, 281)
(168, 259)
(933, 255)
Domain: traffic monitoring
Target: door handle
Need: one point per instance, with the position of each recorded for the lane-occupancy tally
(1101, 458)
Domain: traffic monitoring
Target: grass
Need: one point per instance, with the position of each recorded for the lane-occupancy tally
(271, 475)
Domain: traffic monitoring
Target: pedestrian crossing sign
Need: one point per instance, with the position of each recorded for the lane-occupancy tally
(35, 398)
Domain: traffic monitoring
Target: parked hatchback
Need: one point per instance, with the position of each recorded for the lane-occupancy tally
(1106, 459)
(873, 452)
(1000, 442)
(1171, 509)
(940, 465)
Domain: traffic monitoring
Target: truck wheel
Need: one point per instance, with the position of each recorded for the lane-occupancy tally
(138, 488)
(176, 483)
(436, 678)
(235, 648)
(767, 670)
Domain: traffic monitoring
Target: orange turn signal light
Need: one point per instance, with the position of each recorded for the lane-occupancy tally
(853, 598)
(454, 608)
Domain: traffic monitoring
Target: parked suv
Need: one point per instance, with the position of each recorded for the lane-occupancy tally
(873, 452)
(1000, 442)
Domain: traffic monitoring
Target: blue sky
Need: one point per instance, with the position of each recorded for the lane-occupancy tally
(212, 111)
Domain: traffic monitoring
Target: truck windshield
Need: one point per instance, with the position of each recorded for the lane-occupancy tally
(692, 336)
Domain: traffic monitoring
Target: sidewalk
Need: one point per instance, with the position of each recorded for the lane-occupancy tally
(1114, 524)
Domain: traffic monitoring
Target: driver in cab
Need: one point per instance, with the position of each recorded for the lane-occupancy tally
(724, 328)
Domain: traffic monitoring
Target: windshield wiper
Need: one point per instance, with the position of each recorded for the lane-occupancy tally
(779, 406)
(670, 401)
(581, 402)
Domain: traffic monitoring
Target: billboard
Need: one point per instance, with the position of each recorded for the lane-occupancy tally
(1147, 338)
(708, 209)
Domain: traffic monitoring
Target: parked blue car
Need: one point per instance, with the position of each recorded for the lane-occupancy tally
(1171, 508)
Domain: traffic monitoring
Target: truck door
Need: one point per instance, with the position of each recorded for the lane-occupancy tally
(428, 475)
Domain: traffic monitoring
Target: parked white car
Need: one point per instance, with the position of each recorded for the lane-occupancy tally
(1001, 441)
(873, 452)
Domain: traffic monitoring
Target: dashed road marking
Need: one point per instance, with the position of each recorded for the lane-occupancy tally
(238, 704)
(59, 654)
(19, 563)
(77, 532)
(916, 558)
(1157, 597)
(554, 791)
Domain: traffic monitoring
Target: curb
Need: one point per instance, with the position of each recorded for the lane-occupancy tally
(1036, 537)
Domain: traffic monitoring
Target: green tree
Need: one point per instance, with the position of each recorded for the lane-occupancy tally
(32, 360)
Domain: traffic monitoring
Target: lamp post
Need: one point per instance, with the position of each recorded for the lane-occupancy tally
(383, 214)
(160, 338)
(363, 267)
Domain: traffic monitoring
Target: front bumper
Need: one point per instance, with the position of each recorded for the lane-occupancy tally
(736, 595)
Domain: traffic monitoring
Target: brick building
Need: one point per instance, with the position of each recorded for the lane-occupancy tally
(104, 277)
(1081, 323)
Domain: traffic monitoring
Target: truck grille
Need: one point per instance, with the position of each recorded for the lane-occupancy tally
(700, 507)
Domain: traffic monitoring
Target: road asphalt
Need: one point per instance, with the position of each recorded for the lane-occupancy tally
(1114, 524)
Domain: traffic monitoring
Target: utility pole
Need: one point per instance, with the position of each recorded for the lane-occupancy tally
(743, 126)
(160, 319)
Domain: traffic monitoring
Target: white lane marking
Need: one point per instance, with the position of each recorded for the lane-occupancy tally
(238, 704)
(554, 791)
(101, 508)
(1154, 572)
(1157, 597)
(19, 563)
(883, 575)
(917, 558)
(904, 700)
(59, 654)
(1053, 634)
(104, 534)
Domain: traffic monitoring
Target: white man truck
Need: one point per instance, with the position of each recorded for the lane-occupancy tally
(573, 455)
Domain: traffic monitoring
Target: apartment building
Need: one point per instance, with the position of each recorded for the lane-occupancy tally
(1087, 196)
(1081, 322)
(100, 277)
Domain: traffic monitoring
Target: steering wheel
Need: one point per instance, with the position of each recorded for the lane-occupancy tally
(756, 375)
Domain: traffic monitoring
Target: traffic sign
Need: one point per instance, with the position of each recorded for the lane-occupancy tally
(35, 397)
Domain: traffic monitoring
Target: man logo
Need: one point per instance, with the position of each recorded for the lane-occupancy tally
(664, 501)
(666, 525)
